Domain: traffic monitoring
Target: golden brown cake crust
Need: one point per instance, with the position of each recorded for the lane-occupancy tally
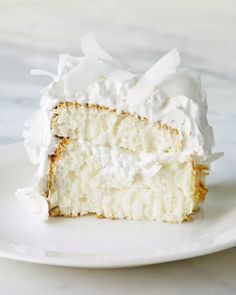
(199, 174)
(76, 104)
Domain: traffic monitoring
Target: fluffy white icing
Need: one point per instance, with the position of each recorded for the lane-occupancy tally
(113, 161)
(164, 93)
(34, 200)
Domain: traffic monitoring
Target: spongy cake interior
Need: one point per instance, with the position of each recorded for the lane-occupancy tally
(114, 165)
(101, 126)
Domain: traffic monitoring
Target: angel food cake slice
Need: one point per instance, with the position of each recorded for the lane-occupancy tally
(117, 144)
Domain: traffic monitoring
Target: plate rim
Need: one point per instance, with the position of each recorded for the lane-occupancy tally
(122, 263)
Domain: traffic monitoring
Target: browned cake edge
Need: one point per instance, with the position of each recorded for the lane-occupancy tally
(76, 104)
(199, 172)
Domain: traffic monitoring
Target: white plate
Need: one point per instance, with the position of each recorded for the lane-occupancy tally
(97, 243)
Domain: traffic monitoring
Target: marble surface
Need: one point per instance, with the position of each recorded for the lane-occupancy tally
(33, 33)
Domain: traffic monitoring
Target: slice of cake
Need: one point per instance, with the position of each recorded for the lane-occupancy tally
(120, 145)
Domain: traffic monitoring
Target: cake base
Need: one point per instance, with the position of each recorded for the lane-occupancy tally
(87, 179)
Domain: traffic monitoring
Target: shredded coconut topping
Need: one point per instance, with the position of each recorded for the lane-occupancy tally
(163, 93)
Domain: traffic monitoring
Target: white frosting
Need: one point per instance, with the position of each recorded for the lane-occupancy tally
(34, 200)
(163, 93)
(114, 162)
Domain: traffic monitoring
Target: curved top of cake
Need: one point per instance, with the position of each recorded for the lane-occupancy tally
(164, 93)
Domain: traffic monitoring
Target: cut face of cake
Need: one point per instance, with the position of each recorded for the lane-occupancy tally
(120, 145)
(120, 166)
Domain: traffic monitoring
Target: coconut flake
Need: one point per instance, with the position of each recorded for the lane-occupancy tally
(85, 73)
(66, 63)
(39, 72)
(96, 64)
(153, 77)
(91, 48)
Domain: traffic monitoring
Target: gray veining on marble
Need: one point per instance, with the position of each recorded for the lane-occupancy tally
(33, 33)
